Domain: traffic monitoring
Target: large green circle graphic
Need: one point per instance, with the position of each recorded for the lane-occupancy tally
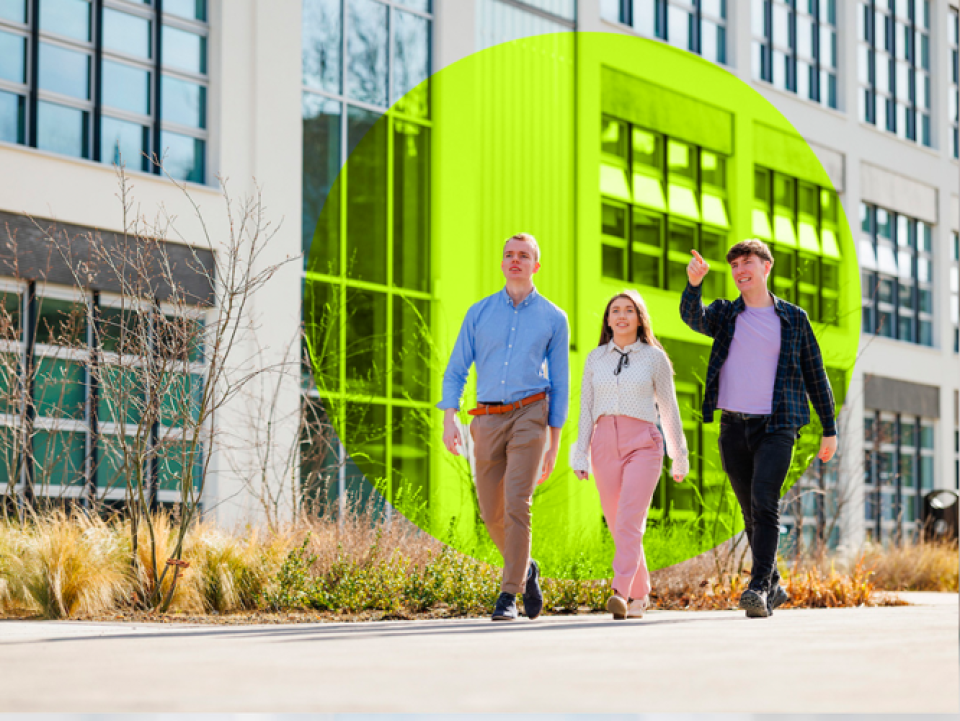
(619, 155)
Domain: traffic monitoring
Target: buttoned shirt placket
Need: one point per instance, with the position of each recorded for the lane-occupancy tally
(511, 339)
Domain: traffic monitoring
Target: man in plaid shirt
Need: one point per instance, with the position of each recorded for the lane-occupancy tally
(764, 365)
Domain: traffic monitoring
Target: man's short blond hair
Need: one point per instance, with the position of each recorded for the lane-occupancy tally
(527, 238)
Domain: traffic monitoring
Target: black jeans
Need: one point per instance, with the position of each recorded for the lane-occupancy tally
(756, 461)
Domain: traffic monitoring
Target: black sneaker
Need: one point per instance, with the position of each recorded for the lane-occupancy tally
(532, 596)
(754, 602)
(776, 597)
(506, 608)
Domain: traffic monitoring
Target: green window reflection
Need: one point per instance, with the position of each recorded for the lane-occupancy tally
(183, 157)
(64, 71)
(13, 58)
(183, 103)
(410, 460)
(12, 118)
(648, 169)
(367, 424)
(367, 208)
(61, 323)
(59, 458)
(66, 17)
(121, 331)
(126, 87)
(126, 33)
(411, 206)
(180, 400)
(323, 313)
(613, 137)
(366, 352)
(321, 190)
(10, 316)
(411, 63)
(124, 144)
(367, 51)
(14, 10)
(411, 348)
(713, 178)
(114, 454)
(59, 389)
(177, 460)
(784, 210)
(184, 50)
(122, 395)
(322, 25)
(762, 205)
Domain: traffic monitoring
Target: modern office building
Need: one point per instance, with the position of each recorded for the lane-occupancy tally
(284, 93)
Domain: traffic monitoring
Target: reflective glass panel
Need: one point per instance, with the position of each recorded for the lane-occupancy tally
(66, 17)
(12, 108)
(13, 58)
(367, 51)
(62, 130)
(424, 5)
(184, 50)
(366, 319)
(680, 27)
(64, 71)
(321, 164)
(183, 157)
(59, 388)
(322, 25)
(190, 9)
(411, 62)
(367, 211)
(15, 10)
(126, 33)
(124, 143)
(411, 349)
(126, 87)
(411, 205)
(183, 103)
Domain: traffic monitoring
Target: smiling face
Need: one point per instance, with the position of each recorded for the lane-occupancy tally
(519, 261)
(622, 317)
(750, 273)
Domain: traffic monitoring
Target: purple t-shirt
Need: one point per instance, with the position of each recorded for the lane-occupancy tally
(748, 374)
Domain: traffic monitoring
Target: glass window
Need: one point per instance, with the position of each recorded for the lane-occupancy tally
(184, 50)
(411, 207)
(13, 58)
(322, 26)
(124, 143)
(411, 61)
(62, 130)
(366, 319)
(183, 103)
(12, 117)
(126, 87)
(190, 9)
(321, 165)
(70, 18)
(366, 212)
(59, 389)
(695, 25)
(126, 33)
(14, 10)
(64, 71)
(183, 157)
(367, 51)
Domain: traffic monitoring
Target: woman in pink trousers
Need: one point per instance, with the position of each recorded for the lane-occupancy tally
(627, 378)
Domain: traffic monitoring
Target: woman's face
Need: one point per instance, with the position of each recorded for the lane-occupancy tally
(623, 318)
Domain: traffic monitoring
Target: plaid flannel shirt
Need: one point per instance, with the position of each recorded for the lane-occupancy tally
(800, 371)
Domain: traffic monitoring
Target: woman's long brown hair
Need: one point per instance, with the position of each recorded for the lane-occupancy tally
(644, 330)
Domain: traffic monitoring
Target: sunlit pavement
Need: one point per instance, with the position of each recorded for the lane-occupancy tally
(897, 659)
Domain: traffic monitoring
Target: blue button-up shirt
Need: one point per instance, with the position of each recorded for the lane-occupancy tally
(519, 351)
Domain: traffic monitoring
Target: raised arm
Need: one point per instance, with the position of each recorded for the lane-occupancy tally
(665, 394)
(703, 320)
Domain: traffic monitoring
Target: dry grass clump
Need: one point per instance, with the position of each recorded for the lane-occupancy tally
(69, 565)
(930, 566)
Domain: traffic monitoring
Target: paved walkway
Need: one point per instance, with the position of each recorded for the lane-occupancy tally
(901, 659)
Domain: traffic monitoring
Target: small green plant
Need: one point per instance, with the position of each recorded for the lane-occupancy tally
(293, 586)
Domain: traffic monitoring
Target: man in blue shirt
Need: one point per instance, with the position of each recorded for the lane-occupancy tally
(520, 343)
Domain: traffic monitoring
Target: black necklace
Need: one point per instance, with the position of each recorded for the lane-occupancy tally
(624, 361)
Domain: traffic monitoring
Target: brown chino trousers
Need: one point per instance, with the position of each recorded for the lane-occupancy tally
(508, 449)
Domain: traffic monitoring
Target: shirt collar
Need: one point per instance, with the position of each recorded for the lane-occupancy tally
(779, 305)
(611, 347)
(525, 302)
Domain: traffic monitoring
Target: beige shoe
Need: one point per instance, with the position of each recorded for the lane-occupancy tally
(617, 605)
(637, 607)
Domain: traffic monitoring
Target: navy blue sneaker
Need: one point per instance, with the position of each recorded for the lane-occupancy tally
(532, 596)
(506, 608)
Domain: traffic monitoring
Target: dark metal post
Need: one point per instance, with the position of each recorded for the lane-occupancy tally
(28, 411)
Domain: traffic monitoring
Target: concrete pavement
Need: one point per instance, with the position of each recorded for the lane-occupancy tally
(898, 659)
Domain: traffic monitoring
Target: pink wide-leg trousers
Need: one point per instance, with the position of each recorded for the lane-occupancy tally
(627, 457)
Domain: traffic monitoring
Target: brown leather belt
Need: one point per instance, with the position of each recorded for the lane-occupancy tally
(486, 409)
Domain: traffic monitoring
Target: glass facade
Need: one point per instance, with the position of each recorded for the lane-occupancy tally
(699, 26)
(953, 101)
(46, 385)
(795, 47)
(800, 220)
(898, 469)
(363, 61)
(660, 198)
(893, 67)
(115, 81)
(896, 266)
(955, 289)
(501, 22)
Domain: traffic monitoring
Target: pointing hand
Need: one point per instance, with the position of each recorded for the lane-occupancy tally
(697, 268)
